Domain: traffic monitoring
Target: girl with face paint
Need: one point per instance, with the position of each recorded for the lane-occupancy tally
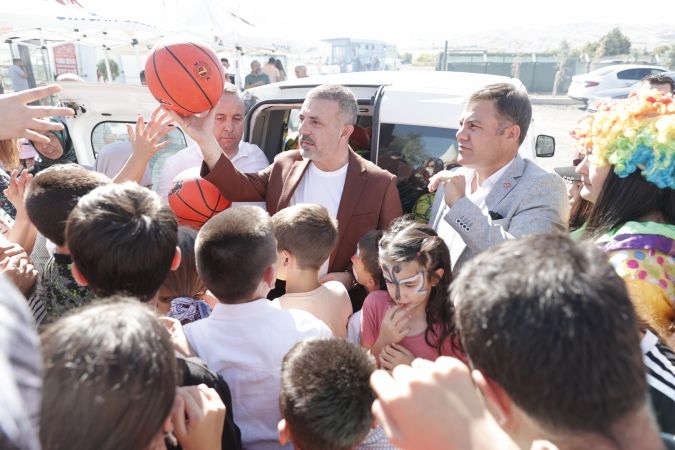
(413, 318)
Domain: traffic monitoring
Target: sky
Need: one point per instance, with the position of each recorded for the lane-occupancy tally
(410, 23)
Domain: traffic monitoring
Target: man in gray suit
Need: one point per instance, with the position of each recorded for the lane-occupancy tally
(496, 195)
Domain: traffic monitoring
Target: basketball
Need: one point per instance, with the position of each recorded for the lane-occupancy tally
(185, 77)
(194, 200)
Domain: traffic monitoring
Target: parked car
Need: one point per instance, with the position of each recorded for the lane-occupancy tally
(586, 86)
(617, 93)
(406, 123)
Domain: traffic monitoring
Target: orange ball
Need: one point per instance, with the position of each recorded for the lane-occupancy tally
(185, 77)
(194, 200)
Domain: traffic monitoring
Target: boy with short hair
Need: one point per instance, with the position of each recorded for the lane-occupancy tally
(246, 336)
(306, 236)
(50, 198)
(122, 241)
(326, 397)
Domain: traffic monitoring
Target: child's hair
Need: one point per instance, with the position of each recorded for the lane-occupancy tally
(184, 281)
(233, 250)
(307, 231)
(123, 240)
(53, 194)
(326, 396)
(368, 252)
(110, 378)
(406, 241)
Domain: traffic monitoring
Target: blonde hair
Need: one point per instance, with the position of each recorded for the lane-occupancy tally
(9, 154)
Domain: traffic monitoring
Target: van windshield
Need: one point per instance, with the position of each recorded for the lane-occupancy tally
(413, 153)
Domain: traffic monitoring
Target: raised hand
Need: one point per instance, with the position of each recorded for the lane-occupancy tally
(19, 120)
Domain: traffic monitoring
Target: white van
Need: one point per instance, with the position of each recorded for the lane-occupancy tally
(407, 121)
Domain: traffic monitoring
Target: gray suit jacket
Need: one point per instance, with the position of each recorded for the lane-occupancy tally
(525, 200)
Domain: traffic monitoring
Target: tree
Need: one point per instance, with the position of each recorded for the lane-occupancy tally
(425, 59)
(665, 55)
(613, 43)
(103, 74)
(406, 58)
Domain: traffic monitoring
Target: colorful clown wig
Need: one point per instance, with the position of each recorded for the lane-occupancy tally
(635, 133)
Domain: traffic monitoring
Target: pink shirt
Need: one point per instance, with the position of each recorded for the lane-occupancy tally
(374, 307)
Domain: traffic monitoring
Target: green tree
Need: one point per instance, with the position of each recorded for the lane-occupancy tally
(406, 58)
(614, 43)
(425, 59)
(114, 69)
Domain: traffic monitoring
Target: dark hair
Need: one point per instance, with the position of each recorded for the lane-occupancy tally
(233, 250)
(326, 396)
(224, 60)
(141, 75)
(512, 103)
(271, 60)
(368, 252)
(123, 240)
(626, 199)
(110, 378)
(551, 322)
(406, 241)
(184, 281)
(660, 78)
(53, 194)
(308, 232)
(579, 214)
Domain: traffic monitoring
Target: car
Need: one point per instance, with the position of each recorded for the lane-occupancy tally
(617, 93)
(406, 123)
(585, 87)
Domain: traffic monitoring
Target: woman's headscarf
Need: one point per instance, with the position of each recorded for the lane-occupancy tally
(68, 156)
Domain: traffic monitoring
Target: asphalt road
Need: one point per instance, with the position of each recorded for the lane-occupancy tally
(557, 121)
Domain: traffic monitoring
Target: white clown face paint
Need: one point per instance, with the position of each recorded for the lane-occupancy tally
(407, 282)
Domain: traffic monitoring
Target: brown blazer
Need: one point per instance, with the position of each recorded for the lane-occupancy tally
(369, 200)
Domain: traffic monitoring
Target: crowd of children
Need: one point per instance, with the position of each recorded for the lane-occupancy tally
(157, 336)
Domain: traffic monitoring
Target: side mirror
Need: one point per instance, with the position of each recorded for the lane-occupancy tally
(544, 146)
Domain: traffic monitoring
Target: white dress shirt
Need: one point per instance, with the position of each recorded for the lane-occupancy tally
(245, 344)
(249, 158)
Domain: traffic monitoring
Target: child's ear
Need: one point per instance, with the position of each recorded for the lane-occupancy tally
(439, 274)
(497, 401)
(269, 276)
(285, 258)
(284, 432)
(176, 259)
(77, 275)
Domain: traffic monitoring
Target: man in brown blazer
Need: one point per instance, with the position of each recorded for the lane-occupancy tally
(325, 171)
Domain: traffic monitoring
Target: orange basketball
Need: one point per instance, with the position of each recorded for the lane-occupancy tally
(194, 200)
(185, 77)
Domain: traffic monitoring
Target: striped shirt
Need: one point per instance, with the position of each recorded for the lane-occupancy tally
(660, 364)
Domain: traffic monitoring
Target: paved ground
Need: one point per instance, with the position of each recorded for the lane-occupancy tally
(557, 121)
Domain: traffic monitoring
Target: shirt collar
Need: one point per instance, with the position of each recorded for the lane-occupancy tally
(491, 180)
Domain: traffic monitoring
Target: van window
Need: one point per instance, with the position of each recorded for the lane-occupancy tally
(106, 133)
(413, 153)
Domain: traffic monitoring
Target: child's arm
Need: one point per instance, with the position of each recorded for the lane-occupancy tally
(23, 232)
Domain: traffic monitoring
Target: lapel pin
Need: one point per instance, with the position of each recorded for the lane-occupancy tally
(507, 185)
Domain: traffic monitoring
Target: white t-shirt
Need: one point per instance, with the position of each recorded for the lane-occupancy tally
(245, 344)
(321, 188)
(249, 158)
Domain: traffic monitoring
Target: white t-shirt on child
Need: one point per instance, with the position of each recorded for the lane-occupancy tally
(245, 344)
(321, 188)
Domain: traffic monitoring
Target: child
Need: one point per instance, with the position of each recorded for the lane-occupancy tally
(415, 318)
(326, 396)
(246, 336)
(117, 356)
(50, 198)
(306, 236)
(123, 241)
(367, 273)
(183, 295)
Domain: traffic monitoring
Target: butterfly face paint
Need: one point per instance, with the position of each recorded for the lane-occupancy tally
(406, 283)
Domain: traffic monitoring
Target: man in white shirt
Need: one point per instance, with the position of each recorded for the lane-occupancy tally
(228, 129)
(496, 195)
(17, 72)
